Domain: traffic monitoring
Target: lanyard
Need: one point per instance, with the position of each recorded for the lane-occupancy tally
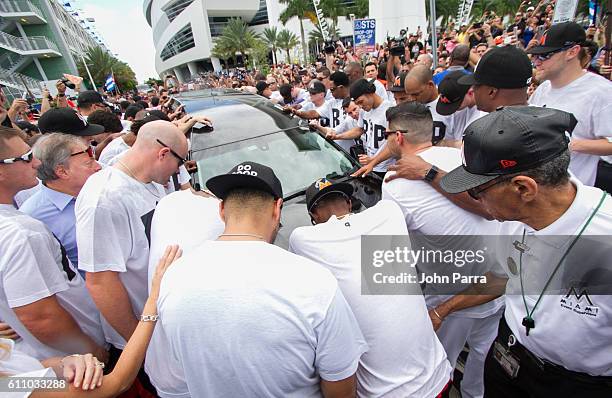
(528, 320)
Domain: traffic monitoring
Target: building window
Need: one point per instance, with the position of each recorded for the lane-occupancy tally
(181, 41)
(176, 7)
(217, 24)
(261, 17)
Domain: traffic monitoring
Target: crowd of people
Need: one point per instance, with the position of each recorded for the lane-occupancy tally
(120, 277)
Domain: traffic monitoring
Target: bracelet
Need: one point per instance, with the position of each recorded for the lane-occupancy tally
(149, 318)
(438, 315)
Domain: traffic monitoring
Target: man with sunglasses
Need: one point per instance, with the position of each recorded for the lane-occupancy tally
(566, 86)
(427, 212)
(554, 247)
(66, 164)
(113, 211)
(42, 297)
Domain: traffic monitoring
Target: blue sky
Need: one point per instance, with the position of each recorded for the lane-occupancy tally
(125, 30)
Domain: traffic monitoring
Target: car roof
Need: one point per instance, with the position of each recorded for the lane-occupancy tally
(235, 116)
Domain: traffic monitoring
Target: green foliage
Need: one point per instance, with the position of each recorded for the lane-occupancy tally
(153, 81)
(270, 39)
(236, 37)
(286, 41)
(301, 9)
(316, 36)
(360, 9)
(101, 64)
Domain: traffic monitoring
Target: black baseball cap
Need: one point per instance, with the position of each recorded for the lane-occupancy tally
(246, 175)
(90, 97)
(323, 187)
(398, 83)
(361, 87)
(261, 86)
(508, 141)
(316, 87)
(501, 67)
(559, 36)
(67, 121)
(451, 93)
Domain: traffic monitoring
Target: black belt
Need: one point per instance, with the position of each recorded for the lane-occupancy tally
(544, 365)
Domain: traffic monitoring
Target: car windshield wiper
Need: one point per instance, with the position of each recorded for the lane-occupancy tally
(335, 175)
(295, 195)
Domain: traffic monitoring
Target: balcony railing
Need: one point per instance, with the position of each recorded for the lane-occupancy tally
(8, 60)
(20, 7)
(32, 43)
(17, 80)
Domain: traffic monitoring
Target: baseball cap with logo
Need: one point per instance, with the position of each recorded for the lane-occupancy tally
(323, 187)
(501, 67)
(398, 83)
(451, 93)
(261, 86)
(89, 97)
(67, 121)
(508, 141)
(316, 87)
(559, 36)
(249, 175)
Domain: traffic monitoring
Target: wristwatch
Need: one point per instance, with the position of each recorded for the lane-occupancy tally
(431, 174)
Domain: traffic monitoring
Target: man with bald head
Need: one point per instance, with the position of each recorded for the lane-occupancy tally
(458, 61)
(113, 211)
(420, 87)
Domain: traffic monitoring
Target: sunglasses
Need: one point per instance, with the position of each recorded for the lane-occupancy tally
(387, 133)
(549, 55)
(475, 192)
(89, 151)
(26, 157)
(181, 161)
(334, 88)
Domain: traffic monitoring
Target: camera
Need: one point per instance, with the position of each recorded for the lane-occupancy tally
(397, 49)
(329, 48)
(68, 83)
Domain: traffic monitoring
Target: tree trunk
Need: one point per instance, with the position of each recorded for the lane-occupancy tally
(273, 55)
(304, 49)
(288, 56)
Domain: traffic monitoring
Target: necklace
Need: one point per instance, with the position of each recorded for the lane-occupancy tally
(251, 235)
(131, 174)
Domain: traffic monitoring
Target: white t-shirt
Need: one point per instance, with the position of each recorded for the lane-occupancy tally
(381, 91)
(334, 112)
(428, 212)
(440, 126)
(405, 357)
(111, 210)
(188, 220)
(31, 269)
(589, 98)
(572, 329)
(458, 121)
(247, 318)
(374, 124)
(114, 148)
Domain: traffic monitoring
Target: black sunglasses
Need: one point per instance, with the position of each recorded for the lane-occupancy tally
(334, 88)
(549, 55)
(387, 133)
(475, 192)
(26, 157)
(181, 161)
(89, 151)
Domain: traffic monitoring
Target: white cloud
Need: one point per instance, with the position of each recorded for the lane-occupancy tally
(127, 34)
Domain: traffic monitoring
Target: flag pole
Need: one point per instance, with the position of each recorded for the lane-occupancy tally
(116, 84)
(88, 72)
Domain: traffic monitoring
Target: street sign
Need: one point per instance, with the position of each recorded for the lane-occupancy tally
(565, 10)
(365, 35)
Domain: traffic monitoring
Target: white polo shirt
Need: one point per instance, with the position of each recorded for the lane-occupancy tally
(31, 270)
(572, 329)
(589, 98)
(428, 212)
(405, 357)
(374, 124)
(111, 210)
(186, 219)
(247, 318)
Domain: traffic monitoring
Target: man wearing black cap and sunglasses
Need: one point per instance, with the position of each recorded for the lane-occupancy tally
(272, 323)
(554, 339)
(397, 329)
(566, 86)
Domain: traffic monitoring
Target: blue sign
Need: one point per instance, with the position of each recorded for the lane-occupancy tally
(365, 35)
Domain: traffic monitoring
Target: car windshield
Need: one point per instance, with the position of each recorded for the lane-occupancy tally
(297, 156)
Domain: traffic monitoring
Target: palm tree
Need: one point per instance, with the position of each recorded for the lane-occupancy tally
(302, 9)
(317, 36)
(270, 37)
(286, 41)
(333, 9)
(240, 35)
(223, 49)
(101, 64)
(360, 9)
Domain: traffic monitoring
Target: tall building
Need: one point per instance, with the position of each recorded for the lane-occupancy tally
(40, 40)
(184, 30)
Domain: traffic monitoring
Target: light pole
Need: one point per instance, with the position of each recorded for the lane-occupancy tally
(434, 33)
